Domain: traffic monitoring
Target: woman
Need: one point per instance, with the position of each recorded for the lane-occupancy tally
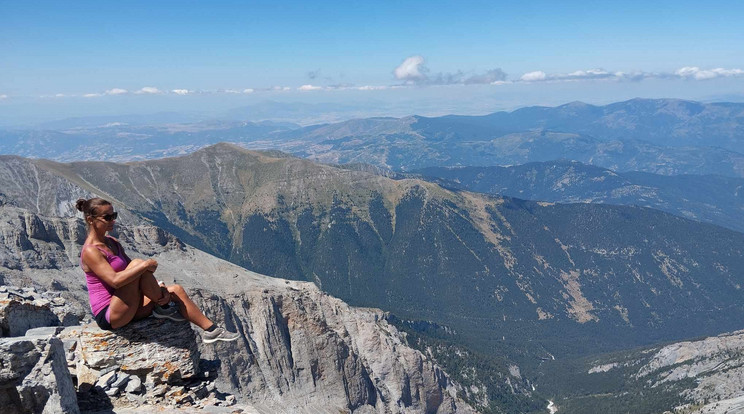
(121, 289)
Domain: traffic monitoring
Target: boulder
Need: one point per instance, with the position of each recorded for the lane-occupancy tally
(34, 376)
(19, 315)
(160, 351)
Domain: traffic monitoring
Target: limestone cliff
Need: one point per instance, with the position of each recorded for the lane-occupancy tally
(300, 350)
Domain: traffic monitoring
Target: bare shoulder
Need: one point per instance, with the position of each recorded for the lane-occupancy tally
(90, 254)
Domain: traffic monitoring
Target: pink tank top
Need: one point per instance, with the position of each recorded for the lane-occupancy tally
(99, 292)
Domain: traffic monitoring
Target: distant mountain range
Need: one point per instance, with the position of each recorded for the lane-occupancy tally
(659, 136)
(664, 136)
(708, 198)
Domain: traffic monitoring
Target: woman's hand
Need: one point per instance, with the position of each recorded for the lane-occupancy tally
(166, 298)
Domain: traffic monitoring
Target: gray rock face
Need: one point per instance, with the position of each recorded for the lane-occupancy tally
(27, 241)
(307, 352)
(300, 350)
(18, 316)
(34, 376)
(715, 363)
(157, 350)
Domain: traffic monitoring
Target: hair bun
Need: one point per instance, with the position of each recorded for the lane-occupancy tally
(80, 204)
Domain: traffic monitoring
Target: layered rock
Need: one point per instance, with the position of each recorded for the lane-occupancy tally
(155, 350)
(147, 364)
(34, 377)
(304, 351)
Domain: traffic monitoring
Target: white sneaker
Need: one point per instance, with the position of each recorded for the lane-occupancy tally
(219, 334)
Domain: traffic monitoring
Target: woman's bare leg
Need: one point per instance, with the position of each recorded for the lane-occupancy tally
(188, 308)
(134, 300)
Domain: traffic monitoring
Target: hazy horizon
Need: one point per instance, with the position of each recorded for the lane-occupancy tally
(90, 59)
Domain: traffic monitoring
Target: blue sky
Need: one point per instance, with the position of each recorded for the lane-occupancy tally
(74, 58)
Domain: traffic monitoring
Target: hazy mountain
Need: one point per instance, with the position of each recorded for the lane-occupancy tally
(409, 150)
(659, 136)
(665, 122)
(123, 142)
(712, 199)
(668, 137)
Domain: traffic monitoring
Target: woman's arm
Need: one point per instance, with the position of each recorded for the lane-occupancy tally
(97, 263)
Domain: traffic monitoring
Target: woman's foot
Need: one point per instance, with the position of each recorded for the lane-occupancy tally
(219, 334)
(168, 313)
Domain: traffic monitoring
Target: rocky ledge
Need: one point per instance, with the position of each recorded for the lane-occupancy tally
(149, 363)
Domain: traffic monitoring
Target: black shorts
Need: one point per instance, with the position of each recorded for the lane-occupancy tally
(101, 320)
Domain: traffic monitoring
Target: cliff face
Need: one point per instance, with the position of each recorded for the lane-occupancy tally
(317, 353)
(300, 350)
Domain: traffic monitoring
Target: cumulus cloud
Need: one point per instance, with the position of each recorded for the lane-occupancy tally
(92, 95)
(181, 91)
(150, 90)
(537, 75)
(248, 90)
(116, 91)
(309, 88)
(3, 96)
(412, 69)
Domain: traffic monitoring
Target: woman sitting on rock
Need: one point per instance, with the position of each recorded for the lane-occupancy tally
(122, 289)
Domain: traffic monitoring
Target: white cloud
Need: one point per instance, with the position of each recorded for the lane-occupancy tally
(248, 90)
(372, 88)
(150, 90)
(694, 72)
(491, 76)
(688, 72)
(3, 96)
(309, 88)
(92, 95)
(535, 76)
(412, 69)
(181, 91)
(116, 91)
(59, 95)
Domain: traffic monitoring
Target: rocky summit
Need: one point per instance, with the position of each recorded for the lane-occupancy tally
(300, 350)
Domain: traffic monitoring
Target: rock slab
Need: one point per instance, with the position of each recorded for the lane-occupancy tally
(34, 377)
(160, 351)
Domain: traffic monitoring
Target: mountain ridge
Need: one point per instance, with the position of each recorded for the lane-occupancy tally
(367, 239)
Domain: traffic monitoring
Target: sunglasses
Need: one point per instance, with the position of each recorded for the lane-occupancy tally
(110, 217)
